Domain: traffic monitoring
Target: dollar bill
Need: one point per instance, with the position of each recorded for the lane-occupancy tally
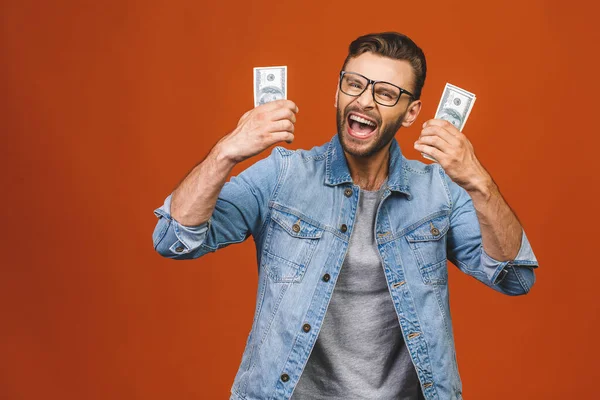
(455, 107)
(270, 83)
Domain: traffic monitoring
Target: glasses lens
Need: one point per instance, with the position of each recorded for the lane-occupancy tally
(353, 84)
(386, 94)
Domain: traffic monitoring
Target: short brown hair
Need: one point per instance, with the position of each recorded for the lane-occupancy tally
(393, 45)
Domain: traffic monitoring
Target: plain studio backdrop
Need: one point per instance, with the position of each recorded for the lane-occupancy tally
(106, 105)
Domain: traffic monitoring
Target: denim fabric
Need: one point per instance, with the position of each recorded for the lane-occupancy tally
(297, 207)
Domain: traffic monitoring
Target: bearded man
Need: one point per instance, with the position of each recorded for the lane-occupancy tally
(352, 238)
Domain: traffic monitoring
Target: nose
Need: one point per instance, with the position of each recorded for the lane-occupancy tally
(366, 98)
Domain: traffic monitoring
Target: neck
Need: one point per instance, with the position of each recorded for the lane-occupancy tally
(369, 172)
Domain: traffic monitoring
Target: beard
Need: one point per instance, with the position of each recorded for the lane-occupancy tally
(382, 139)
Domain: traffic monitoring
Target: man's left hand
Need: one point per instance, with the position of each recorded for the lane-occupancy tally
(454, 152)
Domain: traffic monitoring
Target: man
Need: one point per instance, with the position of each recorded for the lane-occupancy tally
(352, 238)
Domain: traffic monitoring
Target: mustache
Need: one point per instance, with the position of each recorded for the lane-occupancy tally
(359, 110)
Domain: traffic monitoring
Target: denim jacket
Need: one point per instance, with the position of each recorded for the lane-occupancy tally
(300, 207)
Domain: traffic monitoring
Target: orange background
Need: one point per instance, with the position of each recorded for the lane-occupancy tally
(106, 105)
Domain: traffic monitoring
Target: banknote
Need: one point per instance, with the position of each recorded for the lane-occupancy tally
(270, 83)
(455, 107)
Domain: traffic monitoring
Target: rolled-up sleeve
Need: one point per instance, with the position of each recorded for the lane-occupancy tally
(465, 250)
(240, 211)
(173, 240)
(515, 276)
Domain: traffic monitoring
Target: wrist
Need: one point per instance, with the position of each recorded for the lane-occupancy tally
(482, 189)
(221, 156)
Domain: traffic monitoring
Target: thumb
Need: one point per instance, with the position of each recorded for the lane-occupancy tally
(244, 117)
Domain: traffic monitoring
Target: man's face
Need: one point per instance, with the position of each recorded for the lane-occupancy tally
(363, 139)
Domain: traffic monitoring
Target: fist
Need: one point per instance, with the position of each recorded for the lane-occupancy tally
(454, 152)
(260, 128)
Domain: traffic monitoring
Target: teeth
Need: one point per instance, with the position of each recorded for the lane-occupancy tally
(361, 120)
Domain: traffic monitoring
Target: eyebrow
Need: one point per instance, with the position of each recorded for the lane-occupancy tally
(376, 80)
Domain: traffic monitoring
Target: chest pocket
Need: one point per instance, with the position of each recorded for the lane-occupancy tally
(289, 246)
(428, 245)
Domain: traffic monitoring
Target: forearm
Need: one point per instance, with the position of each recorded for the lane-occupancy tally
(501, 231)
(194, 200)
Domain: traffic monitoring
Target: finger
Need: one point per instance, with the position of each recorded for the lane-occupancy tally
(437, 131)
(279, 104)
(435, 141)
(283, 137)
(430, 151)
(283, 125)
(442, 123)
(282, 113)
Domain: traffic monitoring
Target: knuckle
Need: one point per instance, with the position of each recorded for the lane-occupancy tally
(262, 135)
(261, 116)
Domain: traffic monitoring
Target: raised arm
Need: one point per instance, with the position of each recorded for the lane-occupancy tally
(486, 238)
(186, 217)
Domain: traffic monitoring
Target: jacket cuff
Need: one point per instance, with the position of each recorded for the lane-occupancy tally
(183, 239)
(497, 270)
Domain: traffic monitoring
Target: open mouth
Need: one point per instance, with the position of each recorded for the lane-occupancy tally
(361, 127)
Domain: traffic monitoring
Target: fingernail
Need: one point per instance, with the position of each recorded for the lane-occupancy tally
(424, 123)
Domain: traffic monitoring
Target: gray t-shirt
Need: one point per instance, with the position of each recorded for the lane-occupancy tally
(360, 352)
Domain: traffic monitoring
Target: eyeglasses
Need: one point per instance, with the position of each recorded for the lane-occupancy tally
(384, 93)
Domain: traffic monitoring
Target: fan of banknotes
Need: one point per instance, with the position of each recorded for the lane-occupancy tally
(270, 83)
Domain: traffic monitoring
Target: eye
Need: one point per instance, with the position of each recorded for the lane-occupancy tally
(356, 84)
(385, 94)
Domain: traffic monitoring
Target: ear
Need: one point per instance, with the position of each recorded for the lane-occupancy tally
(412, 112)
(337, 95)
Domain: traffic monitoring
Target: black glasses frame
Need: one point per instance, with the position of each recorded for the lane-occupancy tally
(372, 83)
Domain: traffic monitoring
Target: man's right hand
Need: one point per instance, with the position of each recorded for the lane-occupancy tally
(258, 129)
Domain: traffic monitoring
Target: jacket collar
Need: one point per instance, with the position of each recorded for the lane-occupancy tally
(337, 171)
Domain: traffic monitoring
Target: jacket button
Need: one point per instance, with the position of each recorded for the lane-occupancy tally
(344, 228)
(348, 192)
(435, 231)
(179, 249)
(326, 278)
(296, 228)
(306, 328)
(285, 377)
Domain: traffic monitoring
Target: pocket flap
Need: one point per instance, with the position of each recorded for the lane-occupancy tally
(432, 229)
(295, 225)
